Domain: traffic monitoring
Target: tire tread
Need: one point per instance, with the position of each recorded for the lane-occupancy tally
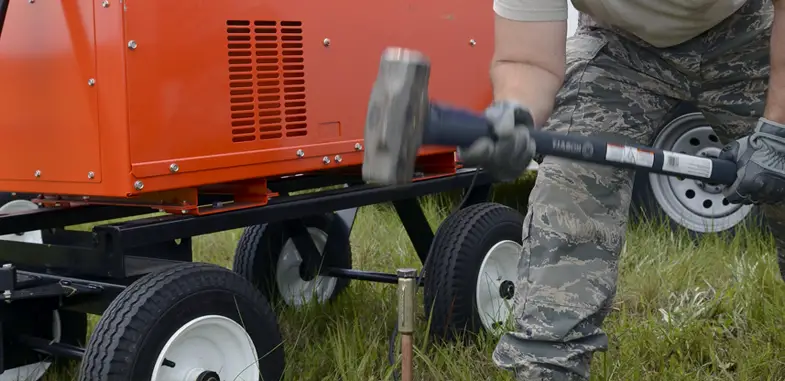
(454, 263)
(140, 305)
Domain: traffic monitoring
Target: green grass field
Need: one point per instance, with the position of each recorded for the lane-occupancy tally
(714, 310)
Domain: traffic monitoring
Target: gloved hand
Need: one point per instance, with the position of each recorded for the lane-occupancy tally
(760, 165)
(507, 157)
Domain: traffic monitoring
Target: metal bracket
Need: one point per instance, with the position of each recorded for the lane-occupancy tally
(8, 278)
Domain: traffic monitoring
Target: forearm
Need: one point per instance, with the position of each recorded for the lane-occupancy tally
(775, 102)
(528, 84)
(529, 63)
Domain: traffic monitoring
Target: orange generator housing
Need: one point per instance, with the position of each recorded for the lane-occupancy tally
(116, 99)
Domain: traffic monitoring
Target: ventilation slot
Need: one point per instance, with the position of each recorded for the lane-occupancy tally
(266, 79)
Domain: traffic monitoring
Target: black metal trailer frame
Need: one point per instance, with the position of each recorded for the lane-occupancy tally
(85, 270)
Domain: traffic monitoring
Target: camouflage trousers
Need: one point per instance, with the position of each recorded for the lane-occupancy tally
(619, 88)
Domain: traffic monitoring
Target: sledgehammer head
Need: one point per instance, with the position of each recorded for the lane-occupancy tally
(397, 113)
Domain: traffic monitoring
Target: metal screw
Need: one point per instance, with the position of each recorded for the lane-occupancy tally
(174, 167)
(31, 1)
(326, 160)
(358, 147)
(338, 158)
(472, 42)
(300, 153)
(91, 175)
(105, 4)
(326, 42)
(91, 82)
(38, 173)
(132, 45)
(138, 185)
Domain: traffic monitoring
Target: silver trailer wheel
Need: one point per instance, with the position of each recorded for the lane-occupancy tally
(695, 205)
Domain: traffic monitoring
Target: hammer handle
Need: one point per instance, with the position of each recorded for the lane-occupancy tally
(3, 12)
(454, 127)
(593, 150)
(447, 126)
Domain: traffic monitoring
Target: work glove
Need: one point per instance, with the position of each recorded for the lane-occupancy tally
(760, 165)
(508, 156)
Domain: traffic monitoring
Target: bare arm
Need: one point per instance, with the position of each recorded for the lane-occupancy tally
(775, 102)
(529, 63)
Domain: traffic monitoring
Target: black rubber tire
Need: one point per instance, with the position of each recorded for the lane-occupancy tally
(73, 326)
(645, 207)
(452, 268)
(73, 331)
(5, 197)
(138, 323)
(260, 247)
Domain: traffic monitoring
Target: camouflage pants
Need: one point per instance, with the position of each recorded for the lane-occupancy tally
(619, 88)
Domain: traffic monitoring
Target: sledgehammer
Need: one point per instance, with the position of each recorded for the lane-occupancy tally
(401, 118)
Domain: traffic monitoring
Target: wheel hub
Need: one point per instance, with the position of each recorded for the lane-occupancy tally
(712, 188)
(208, 375)
(701, 198)
(496, 285)
(305, 273)
(507, 290)
(205, 343)
(296, 285)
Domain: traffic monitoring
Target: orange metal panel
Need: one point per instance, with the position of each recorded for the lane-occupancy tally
(253, 82)
(48, 111)
(225, 90)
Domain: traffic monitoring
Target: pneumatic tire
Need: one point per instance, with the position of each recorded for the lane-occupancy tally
(184, 322)
(471, 271)
(61, 326)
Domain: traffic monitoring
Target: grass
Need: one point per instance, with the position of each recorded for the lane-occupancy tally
(711, 310)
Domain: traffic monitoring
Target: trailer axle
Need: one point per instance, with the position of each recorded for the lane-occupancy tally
(48, 347)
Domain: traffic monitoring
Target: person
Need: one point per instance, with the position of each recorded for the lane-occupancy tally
(626, 67)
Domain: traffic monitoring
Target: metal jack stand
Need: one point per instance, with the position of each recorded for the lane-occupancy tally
(407, 290)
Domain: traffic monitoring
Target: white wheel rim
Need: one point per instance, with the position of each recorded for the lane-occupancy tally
(496, 285)
(17, 206)
(695, 205)
(35, 371)
(208, 343)
(294, 290)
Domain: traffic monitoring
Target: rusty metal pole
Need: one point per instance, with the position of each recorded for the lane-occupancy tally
(407, 291)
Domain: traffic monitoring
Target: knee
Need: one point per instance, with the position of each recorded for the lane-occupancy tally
(577, 204)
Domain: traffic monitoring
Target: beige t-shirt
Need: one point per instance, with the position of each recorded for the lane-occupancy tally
(661, 23)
